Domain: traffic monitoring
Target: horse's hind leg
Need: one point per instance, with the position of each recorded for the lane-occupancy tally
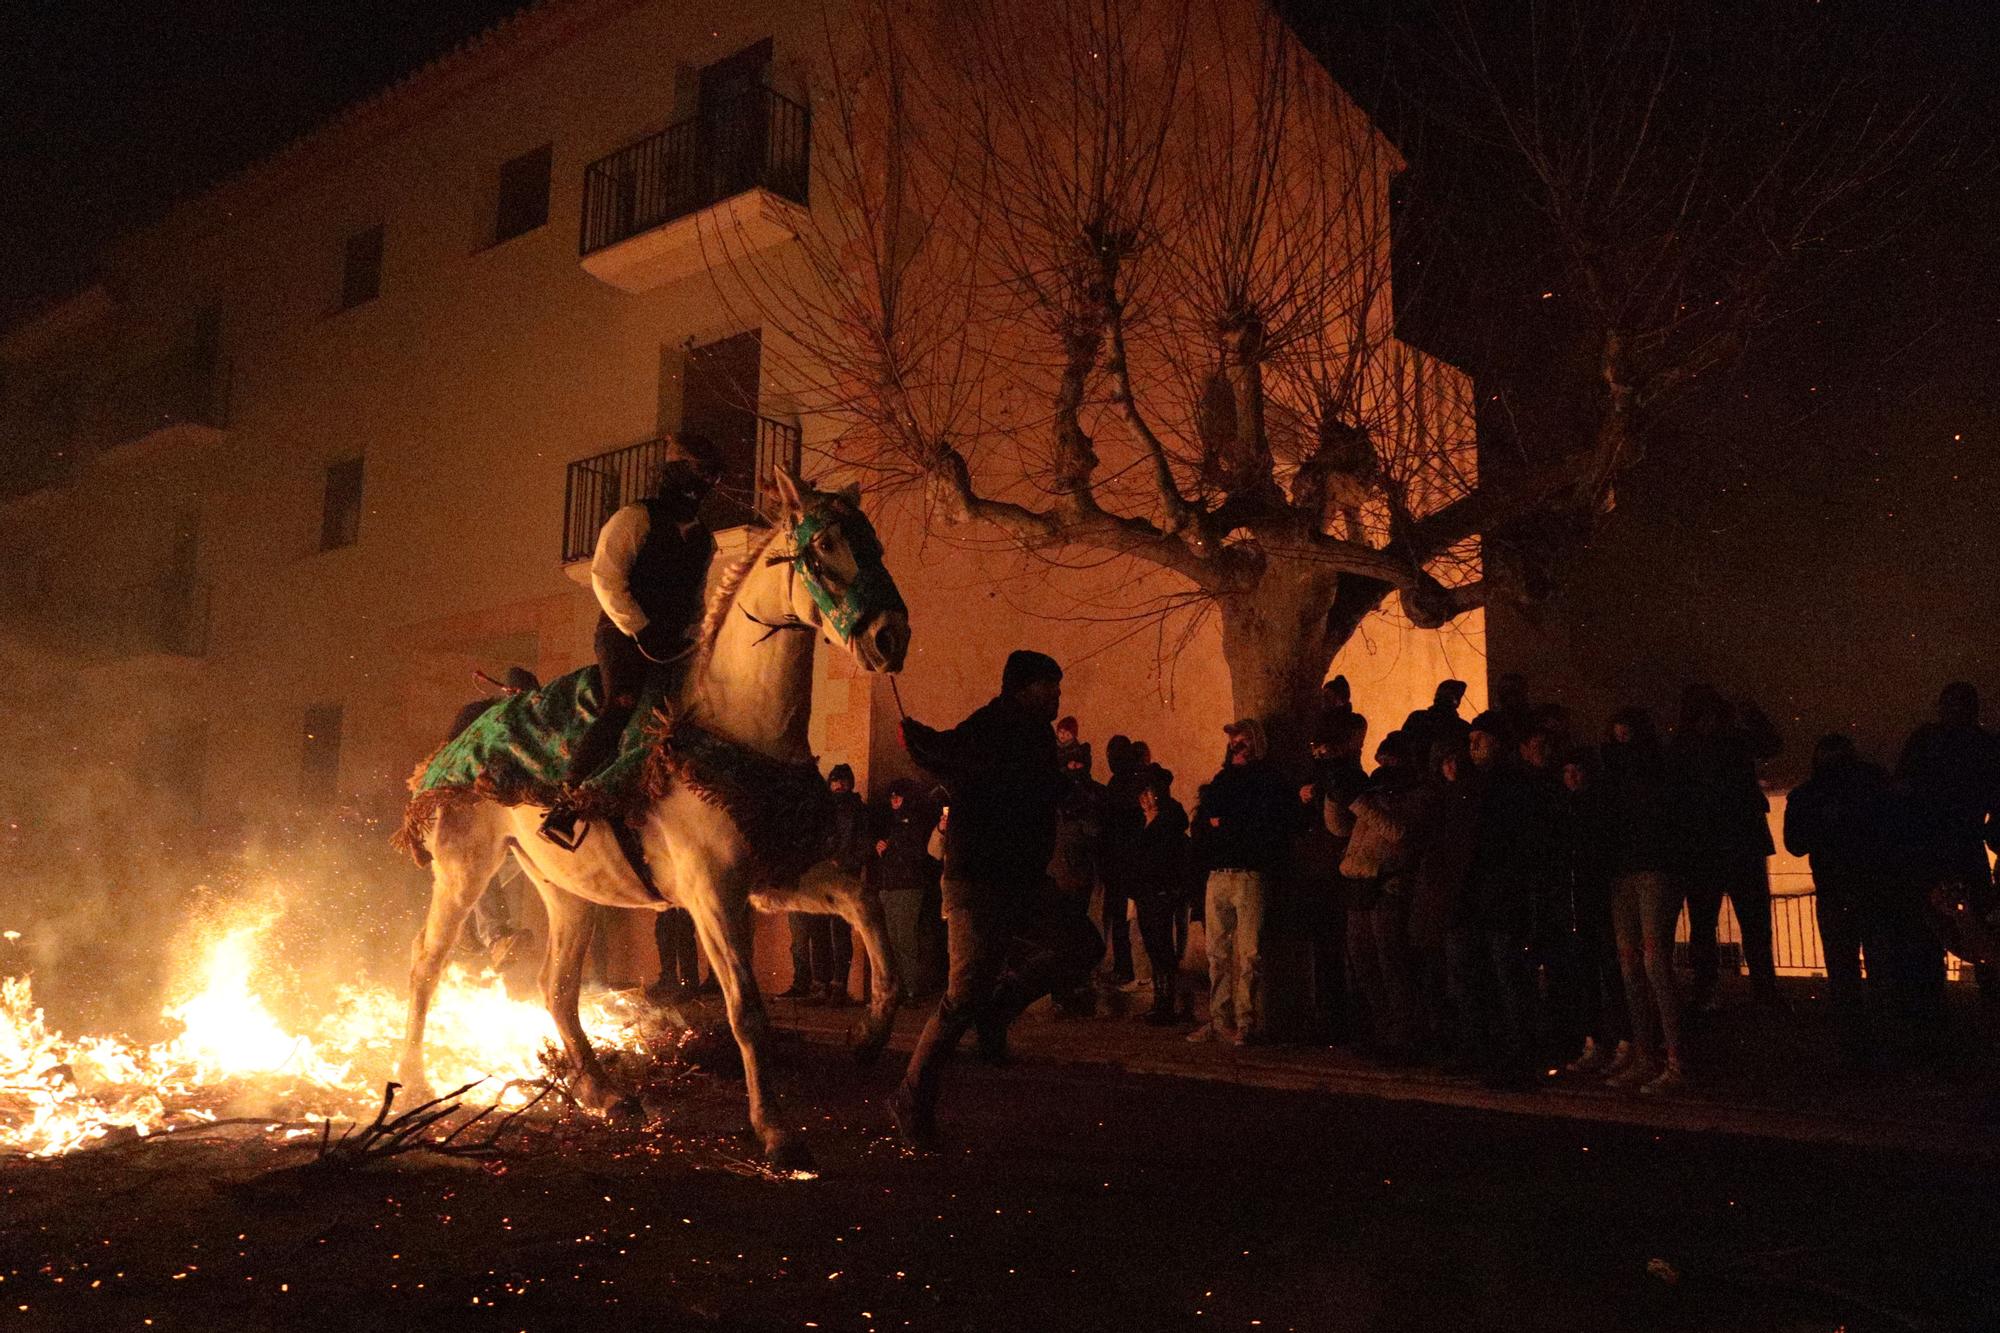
(466, 852)
(571, 921)
(861, 907)
(725, 928)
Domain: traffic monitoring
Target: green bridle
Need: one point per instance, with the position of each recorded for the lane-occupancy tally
(872, 591)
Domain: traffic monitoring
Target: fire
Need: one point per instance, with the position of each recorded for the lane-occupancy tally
(231, 1054)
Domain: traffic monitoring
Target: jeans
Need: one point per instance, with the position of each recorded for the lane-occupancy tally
(1159, 914)
(1380, 966)
(1117, 929)
(822, 950)
(1643, 909)
(900, 911)
(1011, 944)
(1841, 932)
(680, 954)
(1235, 917)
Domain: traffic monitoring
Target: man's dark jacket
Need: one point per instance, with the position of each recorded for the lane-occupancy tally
(847, 832)
(1253, 807)
(999, 766)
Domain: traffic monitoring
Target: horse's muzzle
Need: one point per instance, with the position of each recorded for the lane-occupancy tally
(884, 641)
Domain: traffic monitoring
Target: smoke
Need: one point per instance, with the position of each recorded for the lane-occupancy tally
(111, 868)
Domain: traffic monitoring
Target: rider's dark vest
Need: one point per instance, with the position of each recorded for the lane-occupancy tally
(670, 573)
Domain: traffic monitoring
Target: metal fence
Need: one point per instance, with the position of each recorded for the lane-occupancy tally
(759, 139)
(597, 487)
(1795, 941)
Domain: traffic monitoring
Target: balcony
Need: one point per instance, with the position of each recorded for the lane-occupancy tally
(597, 487)
(183, 394)
(738, 169)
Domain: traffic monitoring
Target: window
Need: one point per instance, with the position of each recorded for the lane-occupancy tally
(340, 513)
(719, 403)
(524, 195)
(319, 763)
(361, 278)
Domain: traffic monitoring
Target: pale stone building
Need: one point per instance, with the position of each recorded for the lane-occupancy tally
(334, 433)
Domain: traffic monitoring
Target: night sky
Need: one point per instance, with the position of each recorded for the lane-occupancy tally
(1830, 549)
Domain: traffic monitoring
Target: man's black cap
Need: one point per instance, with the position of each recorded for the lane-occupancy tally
(1027, 667)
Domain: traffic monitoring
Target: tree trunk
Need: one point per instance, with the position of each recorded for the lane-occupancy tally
(1274, 642)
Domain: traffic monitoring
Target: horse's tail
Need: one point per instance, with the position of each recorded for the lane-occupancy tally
(419, 818)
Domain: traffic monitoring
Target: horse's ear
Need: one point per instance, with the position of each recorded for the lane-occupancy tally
(789, 487)
(851, 493)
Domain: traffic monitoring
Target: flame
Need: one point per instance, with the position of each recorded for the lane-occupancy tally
(232, 1054)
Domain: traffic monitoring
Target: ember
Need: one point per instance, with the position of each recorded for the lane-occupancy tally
(232, 1055)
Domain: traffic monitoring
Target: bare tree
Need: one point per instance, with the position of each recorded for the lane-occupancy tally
(1111, 278)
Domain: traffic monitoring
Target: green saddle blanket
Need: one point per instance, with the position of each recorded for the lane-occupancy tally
(517, 752)
(519, 748)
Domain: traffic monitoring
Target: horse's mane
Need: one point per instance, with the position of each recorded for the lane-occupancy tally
(722, 599)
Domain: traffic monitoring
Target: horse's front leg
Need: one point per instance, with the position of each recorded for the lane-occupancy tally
(724, 921)
(861, 908)
(571, 921)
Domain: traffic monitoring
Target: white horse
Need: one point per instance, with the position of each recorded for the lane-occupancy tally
(751, 683)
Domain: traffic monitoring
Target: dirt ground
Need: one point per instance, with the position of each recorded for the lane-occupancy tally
(1071, 1198)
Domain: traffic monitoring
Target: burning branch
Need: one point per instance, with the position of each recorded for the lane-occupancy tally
(389, 1136)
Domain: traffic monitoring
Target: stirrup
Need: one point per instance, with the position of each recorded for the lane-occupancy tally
(567, 834)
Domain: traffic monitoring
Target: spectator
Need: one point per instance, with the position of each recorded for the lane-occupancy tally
(1450, 989)
(1598, 999)
(1380, 865)
(1239, 840)
(1336, 705)
(1839, 819)
(904, 872)
(1161, 873)
(1079, 819)
(1310, 898)
(1951, 768)
(1129, 762)
(1437, 728)
(1512, 896)
(680, 956)
(1723, 834)
(1338, 780)
(1644, 906)
(1069, 750)
(822, 946)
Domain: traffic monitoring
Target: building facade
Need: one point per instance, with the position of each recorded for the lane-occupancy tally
(335, 434)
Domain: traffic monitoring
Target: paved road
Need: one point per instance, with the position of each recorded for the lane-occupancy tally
(1072, 1199)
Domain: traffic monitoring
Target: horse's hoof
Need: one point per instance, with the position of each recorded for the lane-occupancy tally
(788, 1155)
(867, 1043)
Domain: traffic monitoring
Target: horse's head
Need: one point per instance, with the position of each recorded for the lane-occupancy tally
(842, 587)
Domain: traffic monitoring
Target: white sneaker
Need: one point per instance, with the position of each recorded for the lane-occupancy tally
(1208, 1032)
(1639, 1071)
(1621, 1059)
(1591, 1059)
(1670, 1080)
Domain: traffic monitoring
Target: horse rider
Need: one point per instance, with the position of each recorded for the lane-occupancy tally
(650, 574)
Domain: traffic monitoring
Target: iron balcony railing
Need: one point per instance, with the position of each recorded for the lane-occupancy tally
(597, 487)
(759, 138)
